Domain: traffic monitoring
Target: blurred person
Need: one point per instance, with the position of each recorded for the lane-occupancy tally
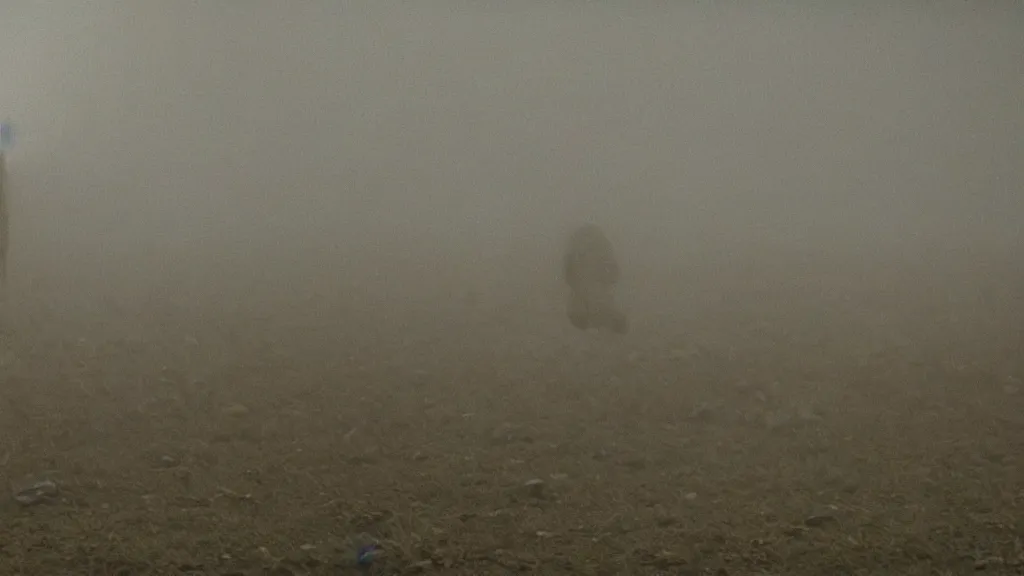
(591, 271)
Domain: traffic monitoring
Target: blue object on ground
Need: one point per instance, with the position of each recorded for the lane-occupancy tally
(367, 554)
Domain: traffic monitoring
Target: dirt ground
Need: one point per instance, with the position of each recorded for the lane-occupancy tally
(791, 417)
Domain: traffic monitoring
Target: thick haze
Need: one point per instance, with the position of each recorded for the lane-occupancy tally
(260, 140)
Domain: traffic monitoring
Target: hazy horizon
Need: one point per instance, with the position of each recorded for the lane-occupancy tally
(268, 139)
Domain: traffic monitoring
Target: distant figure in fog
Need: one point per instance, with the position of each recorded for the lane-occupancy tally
(592, 271)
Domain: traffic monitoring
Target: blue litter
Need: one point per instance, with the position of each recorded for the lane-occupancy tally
(367, 554)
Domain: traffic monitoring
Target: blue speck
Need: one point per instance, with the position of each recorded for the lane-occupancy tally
(367, 554)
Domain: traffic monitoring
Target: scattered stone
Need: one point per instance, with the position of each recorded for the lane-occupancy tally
(419, 378)
(990, 562)
(702, 411)
(807, 414)
(819, 520)
(680, 354)
(841, 480)
(662, 560)
(994, 457)
(774, 420)
(282, 570)
(506, 435)
(360, 460)
(35, 492)
(691, 496)
(535, 488)
(420, 566)
(635, 464)
(794, 531)
(236, 410)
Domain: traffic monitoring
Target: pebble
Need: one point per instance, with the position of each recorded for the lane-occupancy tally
(36, 492)
(535, 487)
(236, 410)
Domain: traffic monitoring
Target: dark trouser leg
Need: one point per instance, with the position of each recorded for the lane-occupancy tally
(595, 307)
(578, 311)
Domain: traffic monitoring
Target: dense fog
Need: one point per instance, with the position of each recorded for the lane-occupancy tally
(287, 278)
(305, 146)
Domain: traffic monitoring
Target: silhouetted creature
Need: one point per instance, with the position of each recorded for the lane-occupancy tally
(592, 271)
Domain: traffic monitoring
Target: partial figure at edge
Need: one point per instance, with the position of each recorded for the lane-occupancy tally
(5, 235)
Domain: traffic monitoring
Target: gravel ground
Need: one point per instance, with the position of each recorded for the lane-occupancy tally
(787, 420)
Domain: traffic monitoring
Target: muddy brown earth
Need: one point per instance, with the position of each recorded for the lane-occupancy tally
(797, 417)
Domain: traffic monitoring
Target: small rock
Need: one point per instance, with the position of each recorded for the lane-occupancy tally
(236, 410)
(691, 496)
(702, 411)
(307, 547)
(775, 420)
(635, 464)
(794, 531)
(281, 570)
(36, 492)
(986, 563)
(807, 414)
(535, 488)
(680, 354)
(819, 520)
(839, 479)
(994, 457)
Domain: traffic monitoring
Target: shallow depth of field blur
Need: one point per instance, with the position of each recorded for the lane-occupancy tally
(285, 281)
